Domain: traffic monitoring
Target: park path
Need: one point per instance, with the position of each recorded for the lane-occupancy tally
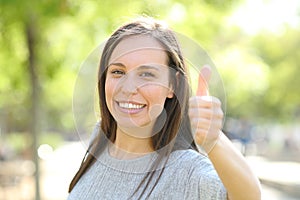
(281, 180)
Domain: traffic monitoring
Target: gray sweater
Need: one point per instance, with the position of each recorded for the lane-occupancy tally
(188, 175)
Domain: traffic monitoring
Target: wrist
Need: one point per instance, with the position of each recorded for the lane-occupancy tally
(208, 147)
(211, 147)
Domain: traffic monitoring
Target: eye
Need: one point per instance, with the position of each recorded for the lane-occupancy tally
(147, 74)
(117, 73)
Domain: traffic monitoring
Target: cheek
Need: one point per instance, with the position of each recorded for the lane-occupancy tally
(156, 97)
(156, 94)
(110, 87)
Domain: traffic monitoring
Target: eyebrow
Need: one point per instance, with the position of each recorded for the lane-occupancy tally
(141, 67)
(117, 64)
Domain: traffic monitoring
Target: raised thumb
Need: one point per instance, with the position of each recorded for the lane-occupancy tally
(203, 79)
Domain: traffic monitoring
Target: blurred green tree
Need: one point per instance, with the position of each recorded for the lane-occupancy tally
(36, 86)
(66, 31)
(281, 53)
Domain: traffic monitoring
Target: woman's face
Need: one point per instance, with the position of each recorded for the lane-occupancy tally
(137, 82)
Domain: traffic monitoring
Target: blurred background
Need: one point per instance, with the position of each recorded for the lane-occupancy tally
(254, 45)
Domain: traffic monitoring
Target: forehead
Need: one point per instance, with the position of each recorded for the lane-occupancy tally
(140, 48)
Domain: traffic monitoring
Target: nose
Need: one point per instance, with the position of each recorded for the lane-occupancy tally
(128, 85)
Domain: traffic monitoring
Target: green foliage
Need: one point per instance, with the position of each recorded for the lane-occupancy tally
(51, 138)
(259, 72)
(281, 53)
(19, 142)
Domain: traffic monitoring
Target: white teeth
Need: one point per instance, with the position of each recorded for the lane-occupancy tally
(131, 106)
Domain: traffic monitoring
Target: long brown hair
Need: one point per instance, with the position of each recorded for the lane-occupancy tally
(176, 132)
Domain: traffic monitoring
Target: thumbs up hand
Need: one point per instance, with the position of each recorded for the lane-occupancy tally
(203, 80)
(205, 113)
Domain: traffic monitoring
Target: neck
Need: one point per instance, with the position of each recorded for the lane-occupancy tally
(128, 145)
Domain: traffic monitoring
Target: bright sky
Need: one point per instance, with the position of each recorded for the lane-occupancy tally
(272, 15)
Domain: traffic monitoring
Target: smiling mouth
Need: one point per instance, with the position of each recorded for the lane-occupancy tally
(131, 106)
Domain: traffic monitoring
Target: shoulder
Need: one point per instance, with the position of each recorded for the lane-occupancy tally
(200, 174)
(190, 158)
(192, 164)
(197, 164)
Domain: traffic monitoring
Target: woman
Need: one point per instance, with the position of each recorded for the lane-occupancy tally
(144, 146)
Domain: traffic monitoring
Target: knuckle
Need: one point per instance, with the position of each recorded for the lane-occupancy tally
(200, 136)
(218, 102)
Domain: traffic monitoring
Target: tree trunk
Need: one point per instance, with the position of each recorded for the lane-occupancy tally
(30, 29)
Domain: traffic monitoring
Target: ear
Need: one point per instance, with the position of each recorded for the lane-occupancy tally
(170, 93)
(171, 90)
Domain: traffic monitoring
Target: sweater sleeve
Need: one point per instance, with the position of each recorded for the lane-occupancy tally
(204, 183)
